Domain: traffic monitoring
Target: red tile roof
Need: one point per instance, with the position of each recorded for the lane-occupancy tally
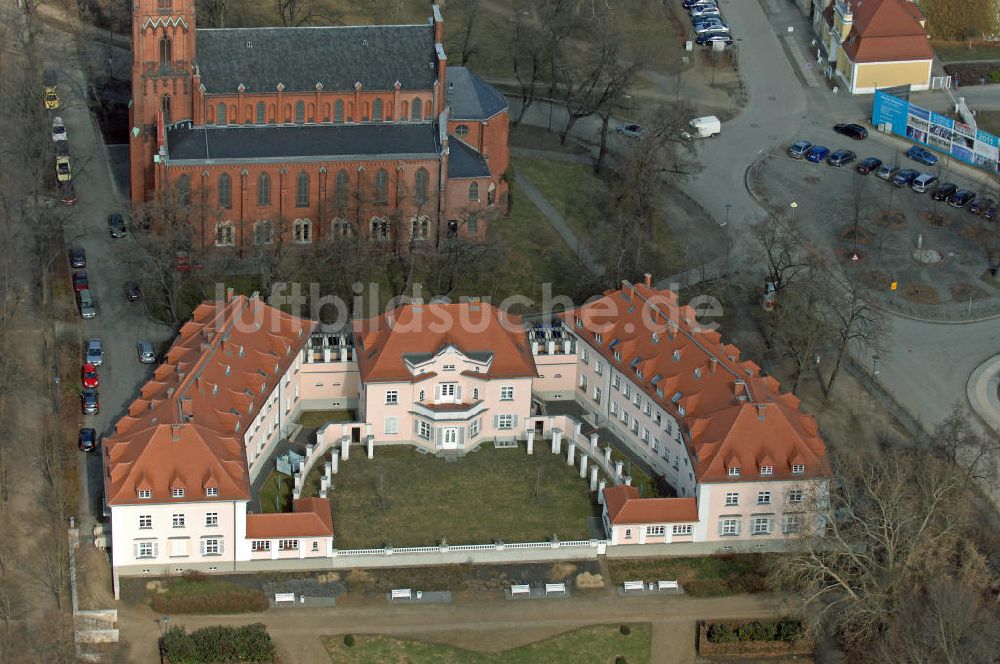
(625, 507)
(310, 517)
(887, 31)
(186, 428)
(420, 329)
(731, 414)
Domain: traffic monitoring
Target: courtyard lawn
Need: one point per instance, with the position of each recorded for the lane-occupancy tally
(317, 418)
(404, 498)
(961, 51)
(598, 644)
(277, 487)
(706, 576)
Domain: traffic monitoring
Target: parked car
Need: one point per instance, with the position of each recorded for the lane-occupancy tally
(710, 38)
(714, 27)
(85, 300)
(58, 129)
(51, 99)
(925, 157)
(855, 131)
(631, 130)
(923, 182)
(88, 440)
(80, 281)
(704, 10)
(990, 213)
(77, 257)
(147, 354)
(868, 165)
(132, 291)
(961, 198)
(886, 172)
(67, 193)
(116, 225)
(905, 177)
(944, 190)
(981, 205)
(817, 153)
(688, 4)
(799, 149)
(89, 376)
(841, 157)
(64, 173)
(95, 352)
(90, 402)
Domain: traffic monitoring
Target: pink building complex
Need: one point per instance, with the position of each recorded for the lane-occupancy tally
(741, 458)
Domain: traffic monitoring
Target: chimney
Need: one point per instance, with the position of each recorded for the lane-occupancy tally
(760, 410)
(438, 24)
(649, 280)
(175, 432)
(713, 362)
(187, 408)
(230, 295)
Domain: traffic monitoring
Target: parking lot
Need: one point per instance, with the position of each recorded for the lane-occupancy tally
(937, 254)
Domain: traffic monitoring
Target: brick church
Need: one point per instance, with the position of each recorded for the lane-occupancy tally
(301, 134)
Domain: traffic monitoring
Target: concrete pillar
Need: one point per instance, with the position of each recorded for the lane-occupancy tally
(583, 465)
(323, 493)
(607, 455)
(326, 354)
(343, 354)
(531, 441)
(556, 441)
(550, 347)
(345, 448)
(370, 442)
(577, 430)
(327, 469)
(324, 483)
(309, 449)
(618, 469)
(600, 491)
(593, 478)
(627, 480)
(334, 462)
(593, 441)
(570, 454)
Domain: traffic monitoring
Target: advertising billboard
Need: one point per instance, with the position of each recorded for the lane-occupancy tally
(936, 131)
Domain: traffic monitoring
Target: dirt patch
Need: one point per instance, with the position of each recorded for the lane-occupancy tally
(933, 218)
(812, 179)
(979, 234)
(852, 234)
(920, 293)
(876, 280)
(587, 581)
(974, 73)
(894, 219)
(561, 571)
(963, 292)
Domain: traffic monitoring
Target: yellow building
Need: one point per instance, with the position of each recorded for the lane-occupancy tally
(877, 44)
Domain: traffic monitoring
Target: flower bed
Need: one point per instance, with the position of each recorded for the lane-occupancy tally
(784, 636)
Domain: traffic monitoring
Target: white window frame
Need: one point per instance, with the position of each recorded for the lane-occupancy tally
(585, 356)
(763, 497)
(145, 521)
(656, 531)
(734, 471)
(597, 394)
(211, 519)
(761, 525)
(288, 545)
(177, 493)
(798, 468)
(767, 470)
(390, 426)
(791, 524)
(144, 544)
(506, 393)
(145, 494)
(732, 499)
(260, 545)
(599, 367)
(474, 428)
(448, 367)
(583, 382)
(796, 495)
(505, 421)
(682, 529)
(424, 430)
(211, 491)
(391, 397)
(729, 527)
(211, 546)
(616, 381)
(178, 520)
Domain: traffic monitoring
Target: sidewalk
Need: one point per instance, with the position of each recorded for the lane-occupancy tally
(983, 391)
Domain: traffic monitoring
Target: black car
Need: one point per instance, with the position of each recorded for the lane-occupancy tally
(868, 165)
(990, 213)
(944, 190)
(961, 198)
(841, 157)
(855, 131)
(89, 402)
(77, 258)
(981, 205)
(132, 291)
(905, 177)
(116, 225)
(88, 440)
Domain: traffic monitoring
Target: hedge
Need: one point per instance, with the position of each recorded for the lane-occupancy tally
(785, 636)
(218, 645)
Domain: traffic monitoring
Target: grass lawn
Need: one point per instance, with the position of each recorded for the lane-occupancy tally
(598, 644)
(317, 418)
(706, 576)
(960, 51)
(404, 498)
(271, 491)
(989, 121)
(640, 480)
(196, 593)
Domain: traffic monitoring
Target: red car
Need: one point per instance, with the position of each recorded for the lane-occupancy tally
(80, 281)
(88, 375)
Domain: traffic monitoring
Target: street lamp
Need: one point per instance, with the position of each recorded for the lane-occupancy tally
(875, 364)
(729, 206)
(793, 205)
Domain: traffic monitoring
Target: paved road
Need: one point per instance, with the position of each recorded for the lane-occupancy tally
(296, 631)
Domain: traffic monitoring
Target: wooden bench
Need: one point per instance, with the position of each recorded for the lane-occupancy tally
(524, 589)
(402, 593)
(284, 597)
(668, 585)
(551, 588)
(634, 585)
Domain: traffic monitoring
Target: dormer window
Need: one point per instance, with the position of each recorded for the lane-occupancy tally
(697, 373)
(211, 491)
(448, 367)
(677, 355)
(579, 322)
(767, 470)
(145, 494)
(598, 337)
(177, 493)
(656, 338)
(617, 355)
(734, 471)
(798, 468)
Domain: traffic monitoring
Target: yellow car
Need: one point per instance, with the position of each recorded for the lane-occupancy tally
(51, 99)
(63, 171)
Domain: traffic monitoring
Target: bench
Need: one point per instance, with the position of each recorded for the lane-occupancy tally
(284, 597)
(634, 585)
(520, 590)
(668, 585)
(402, 593)
(504, 444)
(555, 588)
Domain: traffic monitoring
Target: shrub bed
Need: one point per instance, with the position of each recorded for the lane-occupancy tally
(194, 593)
(784, 636)
(217, 645)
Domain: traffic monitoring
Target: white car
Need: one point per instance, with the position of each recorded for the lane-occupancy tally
(631, 130)
(697, 12)
(58, 129)
(712, 28)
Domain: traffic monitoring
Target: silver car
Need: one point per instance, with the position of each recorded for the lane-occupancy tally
(95, 352)
(147, 354)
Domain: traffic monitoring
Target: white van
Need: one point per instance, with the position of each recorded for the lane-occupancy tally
(923, 182)
(705, 127)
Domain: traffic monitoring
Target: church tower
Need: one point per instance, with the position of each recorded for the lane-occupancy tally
(163, 54)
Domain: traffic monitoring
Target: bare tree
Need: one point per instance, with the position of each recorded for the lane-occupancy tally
(618, 78)
(796, 328)
(294, 13)
(466, 14)
(853, 320)
(957, 441)
(784, 257)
